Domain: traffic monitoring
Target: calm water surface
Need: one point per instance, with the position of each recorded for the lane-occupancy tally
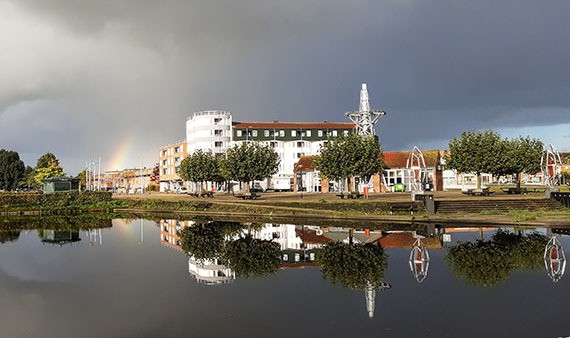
(133, 280)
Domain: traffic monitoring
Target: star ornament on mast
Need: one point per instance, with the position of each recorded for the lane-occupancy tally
(365, 118)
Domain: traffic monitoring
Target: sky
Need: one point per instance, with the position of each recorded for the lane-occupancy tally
(118, 79)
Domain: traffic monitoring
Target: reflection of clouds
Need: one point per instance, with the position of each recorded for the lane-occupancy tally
(554, 259)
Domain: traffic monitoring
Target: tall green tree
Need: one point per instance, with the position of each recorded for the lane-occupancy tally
(28, 180)
(348, 156)
(200, 167)
(354, 266)
(47, 166)
(12, 169)
(249, 161)
(46, 160)
(522, 155)
(477, 153)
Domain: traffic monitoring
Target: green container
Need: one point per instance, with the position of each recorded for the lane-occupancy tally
(399, 187)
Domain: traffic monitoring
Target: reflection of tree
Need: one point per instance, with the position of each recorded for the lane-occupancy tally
(9, 235)
(206, 240)
(246, 256)
(357, 266)
(489, 263)
(252, 257)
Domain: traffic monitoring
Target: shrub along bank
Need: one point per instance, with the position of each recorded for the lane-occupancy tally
(59, 200)
(74, 201)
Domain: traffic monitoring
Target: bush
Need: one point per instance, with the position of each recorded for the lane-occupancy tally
(54, 200)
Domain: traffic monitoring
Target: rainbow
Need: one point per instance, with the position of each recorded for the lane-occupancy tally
(119, 156)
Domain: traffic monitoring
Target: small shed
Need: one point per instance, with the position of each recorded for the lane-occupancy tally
(61, 183)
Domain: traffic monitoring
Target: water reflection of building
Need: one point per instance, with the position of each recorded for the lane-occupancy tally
(210, 271)
(169, 229)
(207, 271)
(60, 237)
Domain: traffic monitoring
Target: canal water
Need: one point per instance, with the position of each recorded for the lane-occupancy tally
(138, 278)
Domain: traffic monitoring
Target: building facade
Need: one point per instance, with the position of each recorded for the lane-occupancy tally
(291, 141)
(215, 131)
(169, 159)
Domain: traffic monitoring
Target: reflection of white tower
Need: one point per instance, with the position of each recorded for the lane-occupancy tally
(210, 271)
(365, 118)
(370, 294)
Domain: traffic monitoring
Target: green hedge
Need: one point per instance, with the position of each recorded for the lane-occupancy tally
(53, 200)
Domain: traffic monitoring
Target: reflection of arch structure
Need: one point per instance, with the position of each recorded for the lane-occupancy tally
(365, 118)
(551, 166)
(370, 293)
(416, 167)
(419, 261)
(554, 259)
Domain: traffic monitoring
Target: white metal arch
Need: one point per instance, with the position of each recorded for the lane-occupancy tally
(551, 166)
(416, 169)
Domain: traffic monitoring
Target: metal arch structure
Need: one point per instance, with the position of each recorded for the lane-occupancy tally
(419, 260)
(551, 166)
(416, 168)
(365, 118)
(554, 259)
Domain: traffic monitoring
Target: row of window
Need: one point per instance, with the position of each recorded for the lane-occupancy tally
(273, 144)
(170, 151)
(175, 161)
(281, 133)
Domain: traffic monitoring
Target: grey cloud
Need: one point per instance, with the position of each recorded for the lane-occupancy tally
(438, 68)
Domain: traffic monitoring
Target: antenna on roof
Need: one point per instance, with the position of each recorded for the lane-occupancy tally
(365, 118)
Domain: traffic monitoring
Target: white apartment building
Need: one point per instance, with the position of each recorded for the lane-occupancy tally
(216, 131)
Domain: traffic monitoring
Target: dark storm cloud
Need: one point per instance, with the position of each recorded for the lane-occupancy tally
(437, 67)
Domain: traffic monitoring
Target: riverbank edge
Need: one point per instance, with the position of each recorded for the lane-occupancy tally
(460, 219)
(288, 213)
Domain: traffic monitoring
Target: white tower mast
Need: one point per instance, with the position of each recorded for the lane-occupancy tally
(365, 118)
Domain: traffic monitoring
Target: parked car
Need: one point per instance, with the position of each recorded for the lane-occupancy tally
(257, 188)
(182, 190)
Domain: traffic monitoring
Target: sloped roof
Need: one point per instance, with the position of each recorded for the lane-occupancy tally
(399, 159)
(311, 237)
(392, 159)
(306, 162)
(407, 240)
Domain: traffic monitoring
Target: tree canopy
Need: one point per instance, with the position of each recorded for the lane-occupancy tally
(252, 257)
(351, 155)
(249, 161)
(477, 152)
(12, 169)
(47, 166)
(490, 263)
(200, 167)
(207, 240)
(355, 266)
(46, 160)
(522, 154)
